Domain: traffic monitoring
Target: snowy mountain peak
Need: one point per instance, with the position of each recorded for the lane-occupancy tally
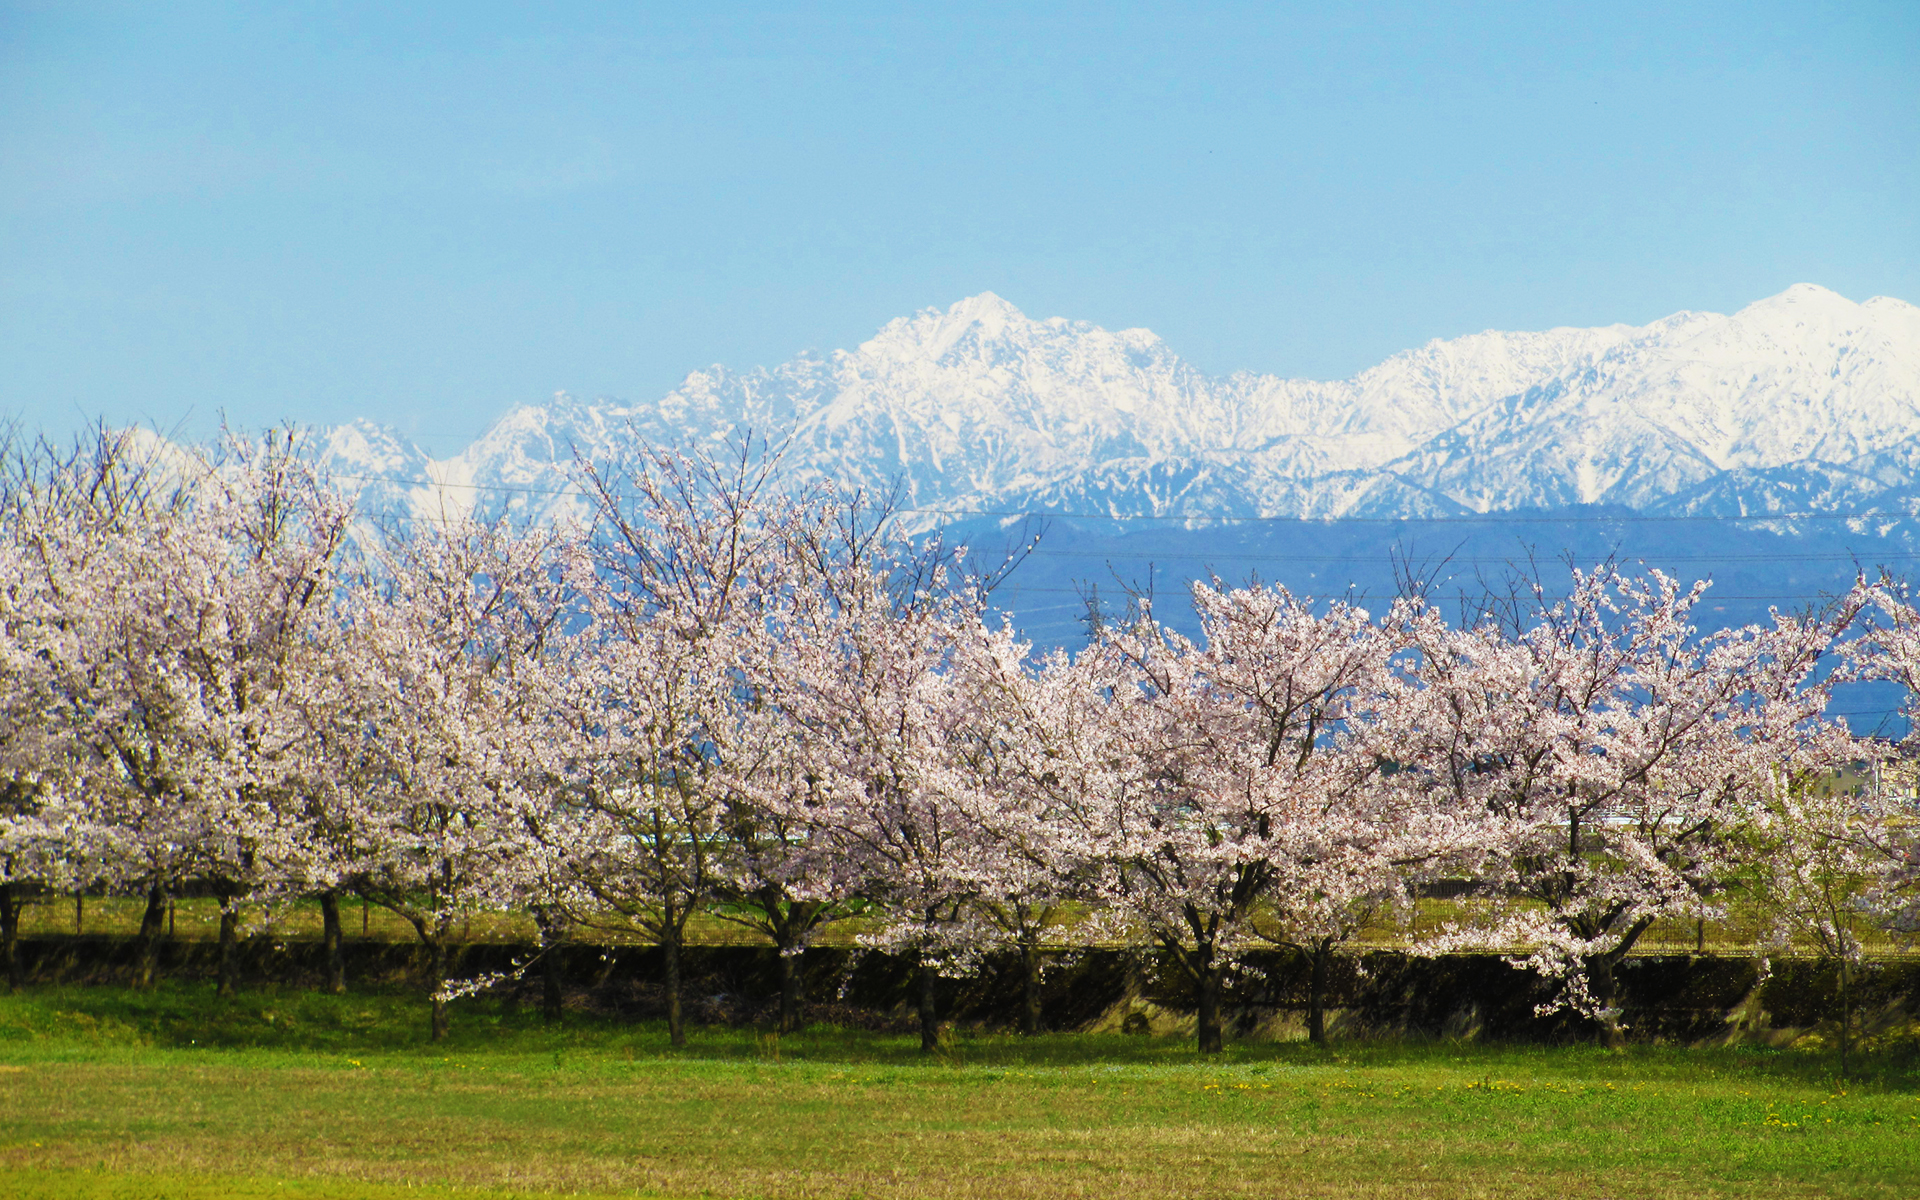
(982, 326)
(985, 308)
(1805, 293)
(1889, 306)
(980, 408)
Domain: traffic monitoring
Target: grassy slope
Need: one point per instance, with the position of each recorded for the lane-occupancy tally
(110, 1094)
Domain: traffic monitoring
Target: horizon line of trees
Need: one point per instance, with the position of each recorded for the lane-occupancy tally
(725, 694)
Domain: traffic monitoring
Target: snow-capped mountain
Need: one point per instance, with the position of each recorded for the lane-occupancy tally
(1805, 400)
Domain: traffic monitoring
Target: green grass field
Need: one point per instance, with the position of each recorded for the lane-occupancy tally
(110, 1093)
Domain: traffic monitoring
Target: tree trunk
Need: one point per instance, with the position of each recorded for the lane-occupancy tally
(330, 942)
(10, 933)
(79, 911)
(439, 1015)
(550, 997)
(793, 989)
(789, 923)
(1030, 984)
(552, 931)
(1846, 1016)
(229, 941)
(551, 1004)
(1206, 975)
(1601, 983)
(152, 923)
(676, 1028)
(1320, 953)
(929, 1013)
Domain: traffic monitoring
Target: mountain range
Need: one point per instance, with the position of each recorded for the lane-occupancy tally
(1775, 451)
(1805, 402)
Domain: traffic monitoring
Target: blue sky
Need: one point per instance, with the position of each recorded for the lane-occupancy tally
(427, 213)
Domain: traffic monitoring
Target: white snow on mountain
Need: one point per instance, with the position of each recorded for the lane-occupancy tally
(1805, 399)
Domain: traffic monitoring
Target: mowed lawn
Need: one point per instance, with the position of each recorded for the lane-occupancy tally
(107, 1093)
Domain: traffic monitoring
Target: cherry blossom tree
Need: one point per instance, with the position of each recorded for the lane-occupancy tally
(1889, 651)
(68, 513)
(31, 851)
(1618, 749)
(766, 734)
(1236, 776)
(448, 736)
(767, 705)
(1302, 704)
(860, 684)
(692, 554)
(175, 598)
(1010, 736)
(852, 696)
(639, 849)
(252, 603)
(1811, 859)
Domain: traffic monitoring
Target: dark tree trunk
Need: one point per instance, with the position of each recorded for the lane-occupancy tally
(676, 1028)
(330, 942)
(10, 933)
(229, 942)
(1206, 975)
(552, 931)
(1605, 989)
(1030, 985)
(1320, 953)
(152, 924)
(228, 893)
(929, 1013)
(550, 997)
(793, 989)
(439, 1014)
(79, 911)
(788, 923)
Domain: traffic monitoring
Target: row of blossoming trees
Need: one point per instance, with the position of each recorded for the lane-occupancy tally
(721, 695)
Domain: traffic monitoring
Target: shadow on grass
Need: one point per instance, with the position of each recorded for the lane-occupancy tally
(60, 1022)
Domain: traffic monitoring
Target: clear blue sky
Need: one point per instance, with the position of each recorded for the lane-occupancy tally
(427, 213)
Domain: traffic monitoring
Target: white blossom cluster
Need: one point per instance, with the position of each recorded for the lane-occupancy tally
(718, 696)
